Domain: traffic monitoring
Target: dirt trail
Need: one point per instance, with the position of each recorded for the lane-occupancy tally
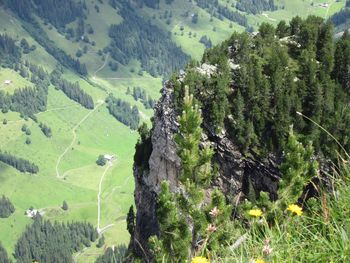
(99, 230)
(74, 138)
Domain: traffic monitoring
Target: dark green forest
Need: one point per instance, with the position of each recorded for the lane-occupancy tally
(9, 52)
(26, 10)
(343, 16)
(270, 79)
(44, 241)
(141, 94)
(72, 90)
(123, 112)
(45, 129)
(256, 6)
(20, 164)
(137, 38)
(221, 12)
(3, 255)
(6, 208)
(113, 255)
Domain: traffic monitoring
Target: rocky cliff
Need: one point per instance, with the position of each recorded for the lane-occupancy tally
(234, 171)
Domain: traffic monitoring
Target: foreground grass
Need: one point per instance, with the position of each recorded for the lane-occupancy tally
(320, 234)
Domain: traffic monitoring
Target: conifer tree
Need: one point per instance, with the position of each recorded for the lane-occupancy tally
(3, 255)
(130, 221)
(176, 212)
(297, 169)
(65, 206)
(6, 207)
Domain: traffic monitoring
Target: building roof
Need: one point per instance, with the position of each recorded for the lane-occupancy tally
(109, 156)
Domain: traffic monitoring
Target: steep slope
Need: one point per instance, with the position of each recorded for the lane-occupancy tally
(250, 89)
(342, 18)
(74, 37)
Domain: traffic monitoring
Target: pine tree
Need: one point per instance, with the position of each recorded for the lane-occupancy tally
(6, 207)
(196, 173)
(342, 61)
(65, 206)
(130, 221)
(188, 141)
(298, 168)
(101, 242)
(175, 235)
(3, 255)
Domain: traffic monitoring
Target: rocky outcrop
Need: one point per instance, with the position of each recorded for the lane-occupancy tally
(164, 164)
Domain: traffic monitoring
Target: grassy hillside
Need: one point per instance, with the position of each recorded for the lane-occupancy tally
(96, 131)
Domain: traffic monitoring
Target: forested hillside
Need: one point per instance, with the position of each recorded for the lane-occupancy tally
(342, 19)
(256, 6)
(78, 78)
(261, 123)
(299, 70)
(47, 242)
(137, 38)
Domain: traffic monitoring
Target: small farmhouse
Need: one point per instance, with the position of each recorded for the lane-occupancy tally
(32, 213)
(324, 5)
(109, 157)
(7, 82)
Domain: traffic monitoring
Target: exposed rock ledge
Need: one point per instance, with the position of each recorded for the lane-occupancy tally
(164, 163)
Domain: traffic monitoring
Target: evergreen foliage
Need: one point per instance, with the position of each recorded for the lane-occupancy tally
(59, 13)
(46, 130)
(27, 10)
(72, 90)
(46, 242)
(206, 41)
(64, 206)
(187, 224)
(342, 61)
(256, 6)
(130, 221)
(297, 169)
(20, 164)
(101, 161)
(341, 19)
(115, 254)
(140, 93)
(9, 53)
(123, 112)
(34, 29)
(6, 208)
(143, 148)
(3, 255)
(27, 100)
(137, 38)
(269, 80)
(221, 12)
(56, 12)
(101, 241)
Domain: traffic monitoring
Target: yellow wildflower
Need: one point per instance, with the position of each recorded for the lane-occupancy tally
(295, 209)
(259, 260)
(255, 212)
(200, 260)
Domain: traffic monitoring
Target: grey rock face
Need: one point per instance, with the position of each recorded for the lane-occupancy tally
(164, 163)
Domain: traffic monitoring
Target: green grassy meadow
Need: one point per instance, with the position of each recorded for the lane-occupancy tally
(100, 133)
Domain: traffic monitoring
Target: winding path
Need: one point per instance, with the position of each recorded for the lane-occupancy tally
(329, 6)
(102, 67)
(74, 138)
(99, 230)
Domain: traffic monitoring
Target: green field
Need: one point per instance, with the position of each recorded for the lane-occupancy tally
(98, 133)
